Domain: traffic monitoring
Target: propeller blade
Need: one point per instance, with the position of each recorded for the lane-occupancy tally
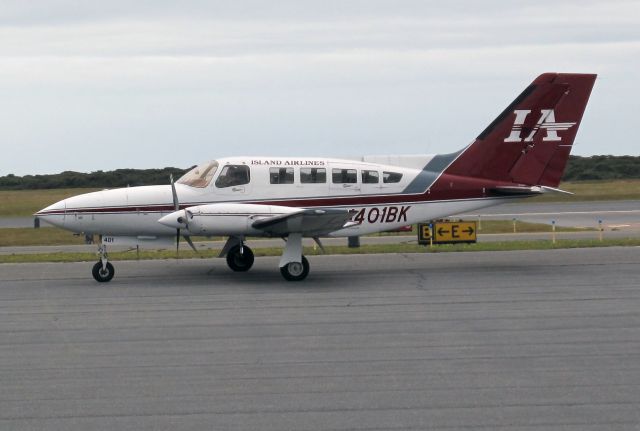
(176, 204)
(188, 239)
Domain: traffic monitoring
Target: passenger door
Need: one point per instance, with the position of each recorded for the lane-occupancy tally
(344, 180)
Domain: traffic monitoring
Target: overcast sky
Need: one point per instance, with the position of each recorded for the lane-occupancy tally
(90, 85)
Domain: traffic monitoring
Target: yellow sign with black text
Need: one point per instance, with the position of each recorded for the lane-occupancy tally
(424, 233)
(447, 232)
(459, 231)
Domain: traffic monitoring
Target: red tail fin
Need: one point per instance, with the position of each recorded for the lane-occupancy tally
(530, 141)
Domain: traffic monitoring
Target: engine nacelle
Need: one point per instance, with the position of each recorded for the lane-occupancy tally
(224, 218)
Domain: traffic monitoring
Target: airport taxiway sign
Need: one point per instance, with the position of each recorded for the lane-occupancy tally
(446, 232)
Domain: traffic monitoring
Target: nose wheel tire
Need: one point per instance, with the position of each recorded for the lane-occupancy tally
(105, 274)
(295, 271)
(240, 262)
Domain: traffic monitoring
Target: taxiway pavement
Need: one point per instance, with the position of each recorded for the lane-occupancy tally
(544, 340)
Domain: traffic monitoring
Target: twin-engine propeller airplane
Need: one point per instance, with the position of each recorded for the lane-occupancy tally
(522, 153)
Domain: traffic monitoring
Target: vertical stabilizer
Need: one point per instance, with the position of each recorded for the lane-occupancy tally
(530, 141)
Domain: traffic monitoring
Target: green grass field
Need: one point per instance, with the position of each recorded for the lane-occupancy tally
(16, 203)
(43, 236)
(365, 249)
(595, 191)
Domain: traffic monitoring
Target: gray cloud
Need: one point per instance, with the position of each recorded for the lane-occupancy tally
(99, 85)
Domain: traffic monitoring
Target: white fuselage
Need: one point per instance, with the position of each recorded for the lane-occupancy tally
(387, 204)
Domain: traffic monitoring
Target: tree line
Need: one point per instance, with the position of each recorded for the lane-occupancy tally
(578, 169)
(98, 179)
(602, 168)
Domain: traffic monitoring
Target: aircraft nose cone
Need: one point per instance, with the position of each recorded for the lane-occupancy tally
(174, 220)
(53, 214)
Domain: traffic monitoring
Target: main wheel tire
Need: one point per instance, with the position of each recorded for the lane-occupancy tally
(240, 262)
(103, 275)
(295, 271)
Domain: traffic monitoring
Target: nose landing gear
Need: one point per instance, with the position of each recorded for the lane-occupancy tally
(103, 270)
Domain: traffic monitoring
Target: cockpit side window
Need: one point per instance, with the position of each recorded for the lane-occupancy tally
(200, 176)
(233, 175)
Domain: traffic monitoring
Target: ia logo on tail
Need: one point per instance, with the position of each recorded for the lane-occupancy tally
(547, 121)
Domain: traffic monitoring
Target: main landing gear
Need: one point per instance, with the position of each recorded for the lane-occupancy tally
(293, 265)
(103, 271)
(295, 271)
(240, 258)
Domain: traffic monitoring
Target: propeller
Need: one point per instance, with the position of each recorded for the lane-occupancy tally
(182, 220)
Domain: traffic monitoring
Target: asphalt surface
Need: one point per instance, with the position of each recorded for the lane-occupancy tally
(14, 222)
(545, 340)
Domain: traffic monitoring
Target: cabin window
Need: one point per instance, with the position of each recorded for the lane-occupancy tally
(370, 177)
(200, 176)
(233, 175)
(344, 176)
(313, 175)
(281, 175)
(391, 177)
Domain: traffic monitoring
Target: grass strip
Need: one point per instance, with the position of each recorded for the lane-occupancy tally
(334, 250)
(610, 190)
(23, 203)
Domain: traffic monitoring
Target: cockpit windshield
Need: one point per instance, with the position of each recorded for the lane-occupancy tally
(200, 176)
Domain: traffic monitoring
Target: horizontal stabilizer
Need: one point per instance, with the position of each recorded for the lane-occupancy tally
(526, 190)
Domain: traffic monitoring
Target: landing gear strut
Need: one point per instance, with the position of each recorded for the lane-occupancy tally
(103, 271)
(240, 258)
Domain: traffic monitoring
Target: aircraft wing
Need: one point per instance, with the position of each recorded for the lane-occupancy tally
(309, 222)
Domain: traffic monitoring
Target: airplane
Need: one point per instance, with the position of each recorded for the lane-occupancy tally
(522, 153)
